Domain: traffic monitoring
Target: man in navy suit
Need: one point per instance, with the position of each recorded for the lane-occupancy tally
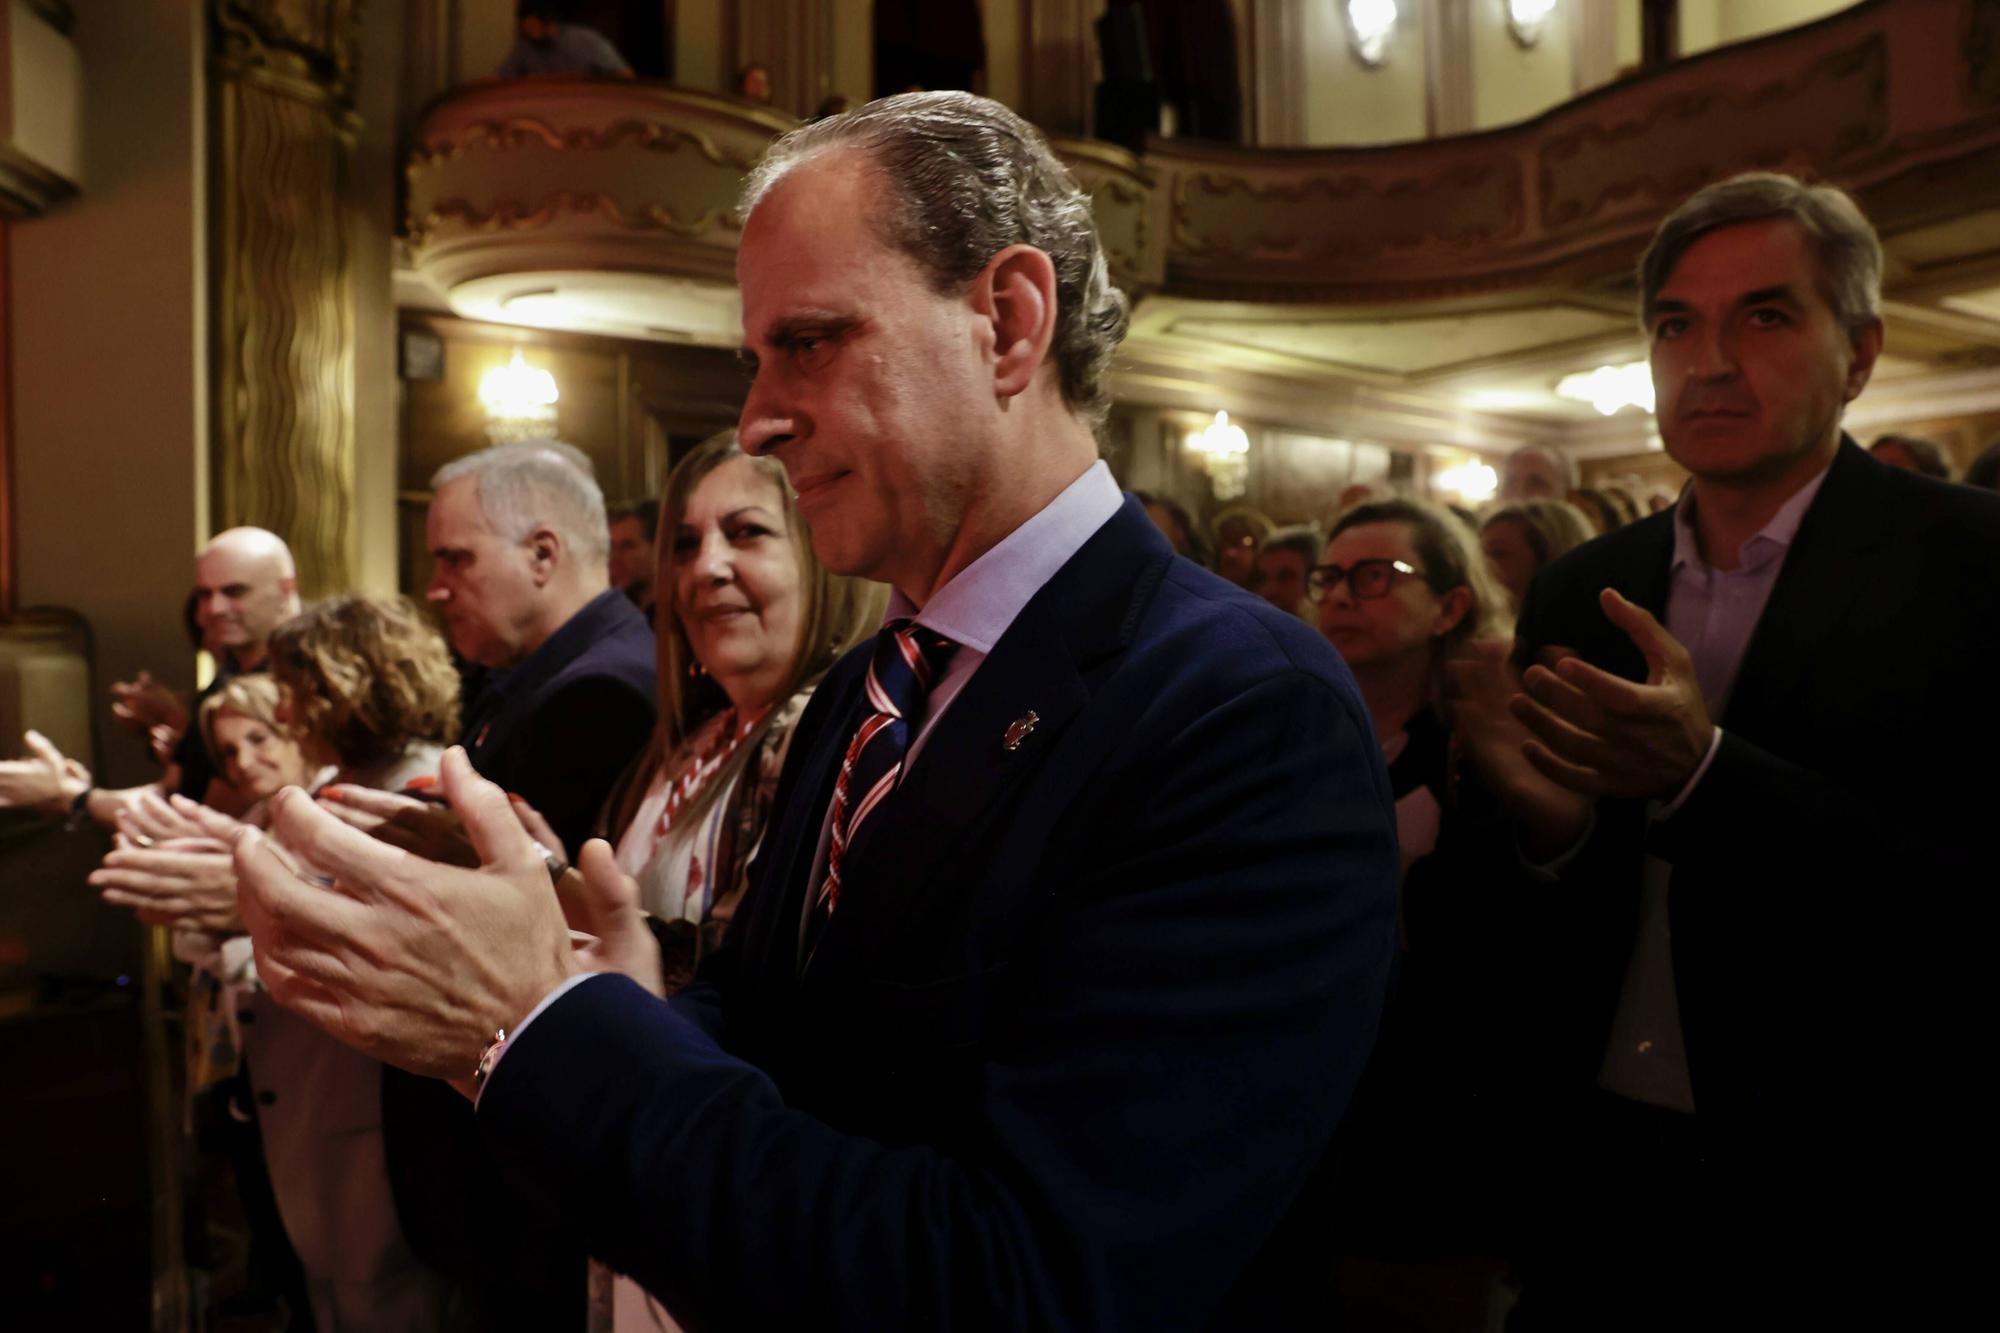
(1040, 1019)
(1768, 718)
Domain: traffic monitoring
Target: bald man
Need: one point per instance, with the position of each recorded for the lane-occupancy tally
(245, 586)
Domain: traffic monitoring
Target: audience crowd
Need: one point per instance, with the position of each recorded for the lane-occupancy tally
(1633, 1029)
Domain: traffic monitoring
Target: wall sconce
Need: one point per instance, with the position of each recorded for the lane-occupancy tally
(1611, 389)
(1473, 482)
(1224, 451)
(520, 402)
(1526, 20)
(1370, 24)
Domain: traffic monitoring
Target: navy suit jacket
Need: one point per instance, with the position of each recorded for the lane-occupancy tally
(1084, 1021)
(1829, 870)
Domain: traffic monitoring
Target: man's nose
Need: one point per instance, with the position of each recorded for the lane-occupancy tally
(436, 591)
(767, 423)
(1714, 354)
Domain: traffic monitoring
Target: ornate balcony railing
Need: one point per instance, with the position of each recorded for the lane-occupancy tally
(1889, 99)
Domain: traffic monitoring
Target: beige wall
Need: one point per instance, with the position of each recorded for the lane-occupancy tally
(700, 51)
(1348, 103)
(853, 72)
(1711, 23)
(485, 35)
(1512, 83)
(109, 358)
(1003, 50)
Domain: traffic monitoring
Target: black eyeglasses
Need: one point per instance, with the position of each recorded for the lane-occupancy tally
(1366, 579)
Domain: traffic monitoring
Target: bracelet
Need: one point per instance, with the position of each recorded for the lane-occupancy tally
(79, 810)
(488, 1058)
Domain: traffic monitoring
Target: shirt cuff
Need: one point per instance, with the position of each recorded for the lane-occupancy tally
(561, 990)
(1714, 744)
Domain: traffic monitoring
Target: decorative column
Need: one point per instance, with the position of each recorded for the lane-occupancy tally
(283, 301)
(1059, 64)
(792, 40)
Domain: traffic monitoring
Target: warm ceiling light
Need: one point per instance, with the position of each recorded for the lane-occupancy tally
(520, 401)
(1370, 24)
(1473, 482)
(1225, 454)
(1527, 18)
(1611, 389)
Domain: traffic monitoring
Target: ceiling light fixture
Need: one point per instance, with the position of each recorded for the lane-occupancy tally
(1370, 24)
(520, 402)
(1611, 389)
(1224, 451)
(1527, 19)
(1472, 481)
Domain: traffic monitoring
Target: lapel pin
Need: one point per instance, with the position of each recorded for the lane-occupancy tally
(1019, 729)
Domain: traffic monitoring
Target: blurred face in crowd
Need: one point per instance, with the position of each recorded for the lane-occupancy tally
(257, 759)
(737, 590)
(1393, 629)
(241, 594)
(484, 585)
(1895, 455)
(1236, 551)
(862, 374)
(1750, 367)
(1281, 578)
(631, 554)
(1531, 475)
(1505, 542)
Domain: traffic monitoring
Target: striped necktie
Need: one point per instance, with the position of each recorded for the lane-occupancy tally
(909, 658)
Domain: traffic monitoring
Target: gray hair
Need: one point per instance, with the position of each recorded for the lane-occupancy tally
(1848, 251)
(1302, 538)
(1565, 465)
(535, 484)
(967, 179)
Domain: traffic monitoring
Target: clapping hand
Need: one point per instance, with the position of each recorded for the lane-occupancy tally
(44, 780)
(408, 960)
(149, 708)
(178, 882)
(1549, 817)
(422, 828)
(1601, 735)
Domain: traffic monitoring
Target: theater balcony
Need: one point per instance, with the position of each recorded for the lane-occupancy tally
(1420, 299)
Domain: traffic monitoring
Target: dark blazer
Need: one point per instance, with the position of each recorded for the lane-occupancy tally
(1084, 1021)
(561, 726)
(1829, 869)
(558, 729)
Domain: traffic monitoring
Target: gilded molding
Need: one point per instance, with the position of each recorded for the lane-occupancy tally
(309, 44)
(284, 325)
(1226, 216)
(1704, 135)
(517, 132)
(507, 215)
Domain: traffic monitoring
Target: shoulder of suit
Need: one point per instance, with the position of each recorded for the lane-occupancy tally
(1213, 619)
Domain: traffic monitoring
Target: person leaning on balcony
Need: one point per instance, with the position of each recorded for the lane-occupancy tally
(550, 44)
(1760, 942)
(245, 587)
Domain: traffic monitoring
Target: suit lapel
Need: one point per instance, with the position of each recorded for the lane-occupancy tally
(965, 774)
(1824, 571)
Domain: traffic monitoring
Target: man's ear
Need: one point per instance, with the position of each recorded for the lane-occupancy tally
(545, 553)
(1867, 346)
(1016, 292)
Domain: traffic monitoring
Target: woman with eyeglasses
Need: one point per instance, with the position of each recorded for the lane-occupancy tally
(1402, 590)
